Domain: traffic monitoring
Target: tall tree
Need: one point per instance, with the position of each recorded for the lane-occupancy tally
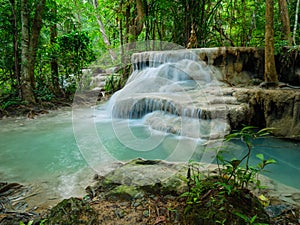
(270, 69)
(137, 22)
(285, 21)
(30, 38)
(26, 85)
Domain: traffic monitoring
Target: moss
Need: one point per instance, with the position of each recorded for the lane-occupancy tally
(72, 211)
(122, 192)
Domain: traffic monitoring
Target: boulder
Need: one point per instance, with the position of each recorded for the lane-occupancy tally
(138, 176)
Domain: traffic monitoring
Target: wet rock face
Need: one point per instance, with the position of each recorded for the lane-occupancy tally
(279, 109)
(238, 65)
(288, 65)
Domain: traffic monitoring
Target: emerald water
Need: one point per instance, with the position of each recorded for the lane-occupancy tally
(46, 150)
(42, 150)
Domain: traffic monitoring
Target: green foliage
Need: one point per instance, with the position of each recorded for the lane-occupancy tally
(248, 220)
(116, 81)
(74, 52)
(6, 38)
(278, 46)
(221, 222)
(235, 174)
(195, 185)
(71, 211)
(112, 83)
(42, 222)
(11, 102)
(43, 93)
(9, 98)
(232, 182)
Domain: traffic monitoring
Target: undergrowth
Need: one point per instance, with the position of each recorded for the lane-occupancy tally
(226, 197)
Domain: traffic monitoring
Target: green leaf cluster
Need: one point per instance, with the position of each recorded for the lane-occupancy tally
(233, 180)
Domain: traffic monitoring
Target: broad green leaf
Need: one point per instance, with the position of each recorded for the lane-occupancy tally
(270, 161)
(260, 156)
(253, 219)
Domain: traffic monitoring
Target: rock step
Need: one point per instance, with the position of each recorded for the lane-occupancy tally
(98, 81)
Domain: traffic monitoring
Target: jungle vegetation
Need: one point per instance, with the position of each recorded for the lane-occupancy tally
(46, 44)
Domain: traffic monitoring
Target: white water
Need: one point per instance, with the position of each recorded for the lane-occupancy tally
(170, 92)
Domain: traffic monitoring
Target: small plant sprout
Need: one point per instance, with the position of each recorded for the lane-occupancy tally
(233, 171)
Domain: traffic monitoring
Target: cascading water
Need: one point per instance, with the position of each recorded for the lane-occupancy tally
(175, 87)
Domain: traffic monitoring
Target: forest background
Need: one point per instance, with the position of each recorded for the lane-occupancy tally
(46, 44)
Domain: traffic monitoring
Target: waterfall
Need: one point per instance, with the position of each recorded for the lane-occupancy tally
(175, 86)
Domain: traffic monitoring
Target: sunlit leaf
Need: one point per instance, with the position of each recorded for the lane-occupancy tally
(260, 156)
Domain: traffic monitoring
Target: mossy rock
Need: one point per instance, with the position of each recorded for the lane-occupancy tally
(146, 175)
(72, 211)
(122, 192)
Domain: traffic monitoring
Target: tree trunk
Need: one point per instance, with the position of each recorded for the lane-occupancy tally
(127, 24)
(138, 23)
(78, 13)
(285, 21)
(54, 65)
(16, 46)
(26, 85)
(140, 17)
(270, 69)
(35, 36)
(121, 33)
(30, 42)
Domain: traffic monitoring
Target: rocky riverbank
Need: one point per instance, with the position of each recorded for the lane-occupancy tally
(136, 192)
(81, 99)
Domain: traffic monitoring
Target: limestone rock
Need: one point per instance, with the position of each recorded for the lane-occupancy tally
(139, 175)
(279, 109)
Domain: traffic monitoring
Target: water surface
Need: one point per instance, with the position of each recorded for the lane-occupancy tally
(47, 149)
